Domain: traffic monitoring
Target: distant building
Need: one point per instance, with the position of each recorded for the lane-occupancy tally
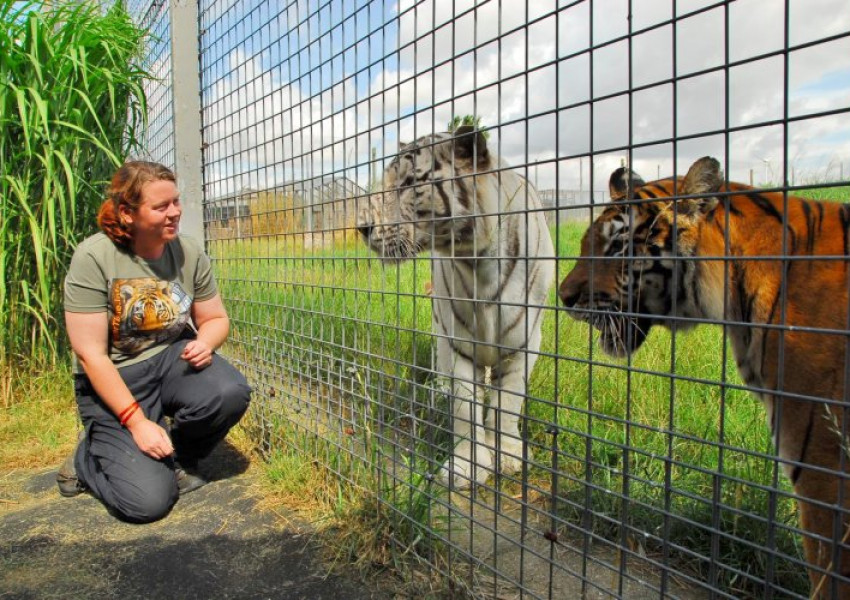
(228, 217)
(326, 205)
(569, 205)
(331, 201)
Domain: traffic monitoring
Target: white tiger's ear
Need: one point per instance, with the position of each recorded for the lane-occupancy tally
(704, 177)
(469, 142)
(622, 182)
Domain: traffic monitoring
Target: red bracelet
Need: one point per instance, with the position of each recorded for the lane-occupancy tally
(128, 412)
(127, 409)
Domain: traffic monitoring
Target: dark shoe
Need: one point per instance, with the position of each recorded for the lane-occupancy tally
(188, 478)
(66, 478)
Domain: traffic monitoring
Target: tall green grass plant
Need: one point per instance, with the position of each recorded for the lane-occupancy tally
(71, 107)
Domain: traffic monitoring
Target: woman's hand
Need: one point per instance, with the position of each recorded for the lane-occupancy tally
(151, 439)
(89, 339)
(212, 325)
(198, 354)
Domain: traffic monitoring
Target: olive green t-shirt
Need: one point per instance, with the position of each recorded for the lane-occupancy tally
(147, 302)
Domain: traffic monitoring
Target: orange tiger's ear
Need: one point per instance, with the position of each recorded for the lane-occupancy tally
(622, 182)
(704, 177)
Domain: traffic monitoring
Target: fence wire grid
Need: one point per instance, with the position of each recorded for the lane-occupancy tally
(381, 179)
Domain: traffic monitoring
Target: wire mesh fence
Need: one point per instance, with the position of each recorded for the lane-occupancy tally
(396, 201)
(159, 138)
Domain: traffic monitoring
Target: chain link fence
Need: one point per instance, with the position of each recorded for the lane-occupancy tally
(651, 476)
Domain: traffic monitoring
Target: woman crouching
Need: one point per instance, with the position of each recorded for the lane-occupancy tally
(145, 318)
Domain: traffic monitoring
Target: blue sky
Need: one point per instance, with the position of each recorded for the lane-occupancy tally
(300, 89)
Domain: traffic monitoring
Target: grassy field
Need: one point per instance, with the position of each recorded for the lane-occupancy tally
(38, 416)
(662, 447)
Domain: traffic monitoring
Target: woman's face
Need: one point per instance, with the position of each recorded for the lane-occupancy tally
(156, 220)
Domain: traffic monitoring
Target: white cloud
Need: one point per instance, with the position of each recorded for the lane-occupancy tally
(534, 87)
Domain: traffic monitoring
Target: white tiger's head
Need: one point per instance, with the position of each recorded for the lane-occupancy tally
(428, 201)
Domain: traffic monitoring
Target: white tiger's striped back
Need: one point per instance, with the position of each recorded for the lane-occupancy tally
(504, 279)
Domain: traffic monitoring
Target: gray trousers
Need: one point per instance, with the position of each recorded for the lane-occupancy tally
(203, 406)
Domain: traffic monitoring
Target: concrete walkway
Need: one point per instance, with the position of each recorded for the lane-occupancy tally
(216, 544)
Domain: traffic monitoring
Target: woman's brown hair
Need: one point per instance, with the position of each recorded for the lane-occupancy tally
(126, 189)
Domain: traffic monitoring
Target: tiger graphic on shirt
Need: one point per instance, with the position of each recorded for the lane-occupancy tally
(147, 312)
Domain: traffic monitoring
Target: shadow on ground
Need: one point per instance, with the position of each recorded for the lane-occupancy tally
(216, 543)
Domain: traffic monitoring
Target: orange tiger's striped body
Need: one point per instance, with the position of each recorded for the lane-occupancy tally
(720, 255)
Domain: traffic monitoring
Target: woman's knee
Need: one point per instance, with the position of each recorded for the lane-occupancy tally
(145, 501)
(235, 396)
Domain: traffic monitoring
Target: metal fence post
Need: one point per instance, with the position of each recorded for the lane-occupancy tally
(186, 85)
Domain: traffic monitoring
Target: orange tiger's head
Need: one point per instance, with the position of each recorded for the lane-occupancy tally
(629, 276)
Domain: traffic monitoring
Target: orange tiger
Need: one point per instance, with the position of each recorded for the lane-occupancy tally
(631, 275)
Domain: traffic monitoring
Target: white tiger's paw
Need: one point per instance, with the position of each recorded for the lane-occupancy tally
(509, 464)
(462, 473)
(510, 455)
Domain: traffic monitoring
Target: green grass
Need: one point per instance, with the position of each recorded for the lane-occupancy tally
(339, 345)
(346, 341)
(38, 417)
(833, 194)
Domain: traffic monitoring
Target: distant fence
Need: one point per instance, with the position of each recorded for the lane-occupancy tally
(648, 477)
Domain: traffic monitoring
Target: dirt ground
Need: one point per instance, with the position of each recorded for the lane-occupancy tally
(216, 543)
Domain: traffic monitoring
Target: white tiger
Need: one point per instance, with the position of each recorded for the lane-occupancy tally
(492, 267)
